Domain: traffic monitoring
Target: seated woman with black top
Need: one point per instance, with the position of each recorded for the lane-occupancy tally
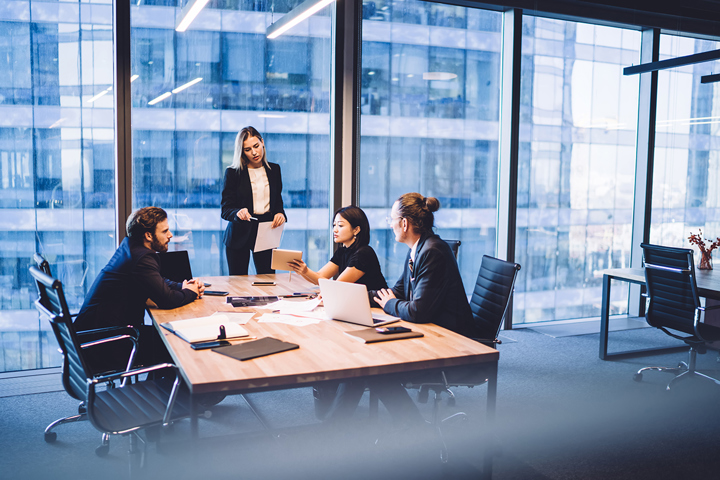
(355, 261)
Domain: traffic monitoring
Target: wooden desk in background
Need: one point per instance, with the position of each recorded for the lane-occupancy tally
(708, 283)
(326, 353)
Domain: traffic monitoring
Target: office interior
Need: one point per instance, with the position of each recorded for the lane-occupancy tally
(516, 115)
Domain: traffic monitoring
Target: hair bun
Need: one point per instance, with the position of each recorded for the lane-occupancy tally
(432, 204)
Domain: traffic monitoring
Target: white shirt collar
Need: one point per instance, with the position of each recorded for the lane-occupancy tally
(413, 250)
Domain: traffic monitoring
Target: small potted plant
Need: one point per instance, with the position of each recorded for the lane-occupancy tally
(705, 249)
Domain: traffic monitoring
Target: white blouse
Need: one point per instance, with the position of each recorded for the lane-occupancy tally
(260, 189)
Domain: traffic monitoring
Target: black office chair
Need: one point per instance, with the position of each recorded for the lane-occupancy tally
(674, 304)
(454, 246)
(122, 409)
(42, 264)
(489, 304)
(175, 265)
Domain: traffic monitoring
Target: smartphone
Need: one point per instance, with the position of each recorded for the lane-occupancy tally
(207, 284)
(210, 344)
(263, 284)
(215, 292)
(389, 330)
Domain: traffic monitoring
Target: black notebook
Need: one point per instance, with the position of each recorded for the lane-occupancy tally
(256, 348)
(251, 301)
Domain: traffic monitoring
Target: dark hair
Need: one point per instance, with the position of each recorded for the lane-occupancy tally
(142, 221)
(418, 210)
(357, 218)
(239, 160)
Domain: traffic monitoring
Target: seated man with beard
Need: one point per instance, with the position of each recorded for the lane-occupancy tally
(118, 296)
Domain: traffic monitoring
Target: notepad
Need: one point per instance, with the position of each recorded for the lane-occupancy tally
(204, 329)
(256, 348)
(369, 335)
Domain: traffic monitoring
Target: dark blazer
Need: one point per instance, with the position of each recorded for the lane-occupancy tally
(438, 294)
(237, 194)
(118, 295)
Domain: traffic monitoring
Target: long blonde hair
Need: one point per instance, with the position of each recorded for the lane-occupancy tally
(239, 161)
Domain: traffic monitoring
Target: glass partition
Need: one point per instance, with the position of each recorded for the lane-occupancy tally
(57, 164)
(578, 117)
(430, 94)
(687, 137)
(191, 94)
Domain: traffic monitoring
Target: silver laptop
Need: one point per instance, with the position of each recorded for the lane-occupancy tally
(348, 302)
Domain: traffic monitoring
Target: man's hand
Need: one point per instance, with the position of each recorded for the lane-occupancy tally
(243, 214)
(382, 296)
(192, 286)
(278, 220)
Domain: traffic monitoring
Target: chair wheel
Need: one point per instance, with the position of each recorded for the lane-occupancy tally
(637, 377)
(50, 437)
(102, 450)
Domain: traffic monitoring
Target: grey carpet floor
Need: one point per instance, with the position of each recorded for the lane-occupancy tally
(562, 414)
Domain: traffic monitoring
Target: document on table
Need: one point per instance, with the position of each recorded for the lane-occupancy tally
(241, 318)
(268, 237)
(203, 329)
(294, 307)
(293, 320)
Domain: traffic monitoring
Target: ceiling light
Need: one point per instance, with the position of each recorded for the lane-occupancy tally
(160, 98)
(188, 14)
(295, 16)
(134, 77)
(104, 92)
(189, 84)
(439, 76)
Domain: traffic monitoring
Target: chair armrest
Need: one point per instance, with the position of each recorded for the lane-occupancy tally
(124, 330)
(490, 342)
(116, 338)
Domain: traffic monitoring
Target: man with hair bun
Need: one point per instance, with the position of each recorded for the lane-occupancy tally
(118, 295)
(430, 289)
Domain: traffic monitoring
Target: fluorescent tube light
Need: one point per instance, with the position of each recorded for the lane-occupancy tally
(134, 77)
(104, 92)
(188, 14)
(439, 76)
(160, 98)
(189, 84)
(295, 16)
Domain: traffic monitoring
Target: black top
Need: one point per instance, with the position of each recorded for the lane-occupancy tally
(118, 295)
(364, 259)
(432, 292)
(237, 194)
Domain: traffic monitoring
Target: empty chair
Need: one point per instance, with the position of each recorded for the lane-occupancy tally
(489, 304)
(674, 304)
(124, 409)
(175, 266)
(454, 246)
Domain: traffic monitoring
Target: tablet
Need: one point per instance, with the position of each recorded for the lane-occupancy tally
(280, 258)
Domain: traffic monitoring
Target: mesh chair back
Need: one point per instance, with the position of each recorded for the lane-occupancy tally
(454, 246)
(52, 304)
(671, 286)
(491, 297)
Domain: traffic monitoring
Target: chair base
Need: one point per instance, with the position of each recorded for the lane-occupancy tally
(681, 372)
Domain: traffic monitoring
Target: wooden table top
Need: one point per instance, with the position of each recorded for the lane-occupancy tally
(708, 281)
(325, 353)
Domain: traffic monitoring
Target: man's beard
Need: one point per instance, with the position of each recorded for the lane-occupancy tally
(157, 246)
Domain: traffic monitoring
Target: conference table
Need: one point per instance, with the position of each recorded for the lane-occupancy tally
(326, 353)
(708, 283)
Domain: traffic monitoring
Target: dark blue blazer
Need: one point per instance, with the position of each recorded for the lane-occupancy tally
(237, 194)
(438, 295)
(118, 295)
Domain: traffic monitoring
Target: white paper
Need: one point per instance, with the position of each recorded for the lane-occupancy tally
(289, 307)
(241, 318)
(205, 328)
(268, 237)
(288, 319)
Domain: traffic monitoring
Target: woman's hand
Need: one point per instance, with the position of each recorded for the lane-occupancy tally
(278, 220)
(298, 266)
(243, 214)
(382, 296)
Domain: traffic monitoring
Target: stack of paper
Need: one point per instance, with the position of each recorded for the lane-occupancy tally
(204, 329)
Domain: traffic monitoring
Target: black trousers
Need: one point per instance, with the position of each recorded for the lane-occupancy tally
(239, 258)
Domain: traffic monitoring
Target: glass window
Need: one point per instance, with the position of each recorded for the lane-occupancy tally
(429, 123)
(687, 164)
(191, 94)
(576, 166)
(56, 165)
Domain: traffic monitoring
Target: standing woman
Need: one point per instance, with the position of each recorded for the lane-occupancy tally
(355, 260)
(252, 193)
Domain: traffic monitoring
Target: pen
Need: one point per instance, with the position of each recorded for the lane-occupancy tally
(253, 218)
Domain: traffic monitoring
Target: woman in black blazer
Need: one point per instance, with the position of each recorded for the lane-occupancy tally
(252, 193)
